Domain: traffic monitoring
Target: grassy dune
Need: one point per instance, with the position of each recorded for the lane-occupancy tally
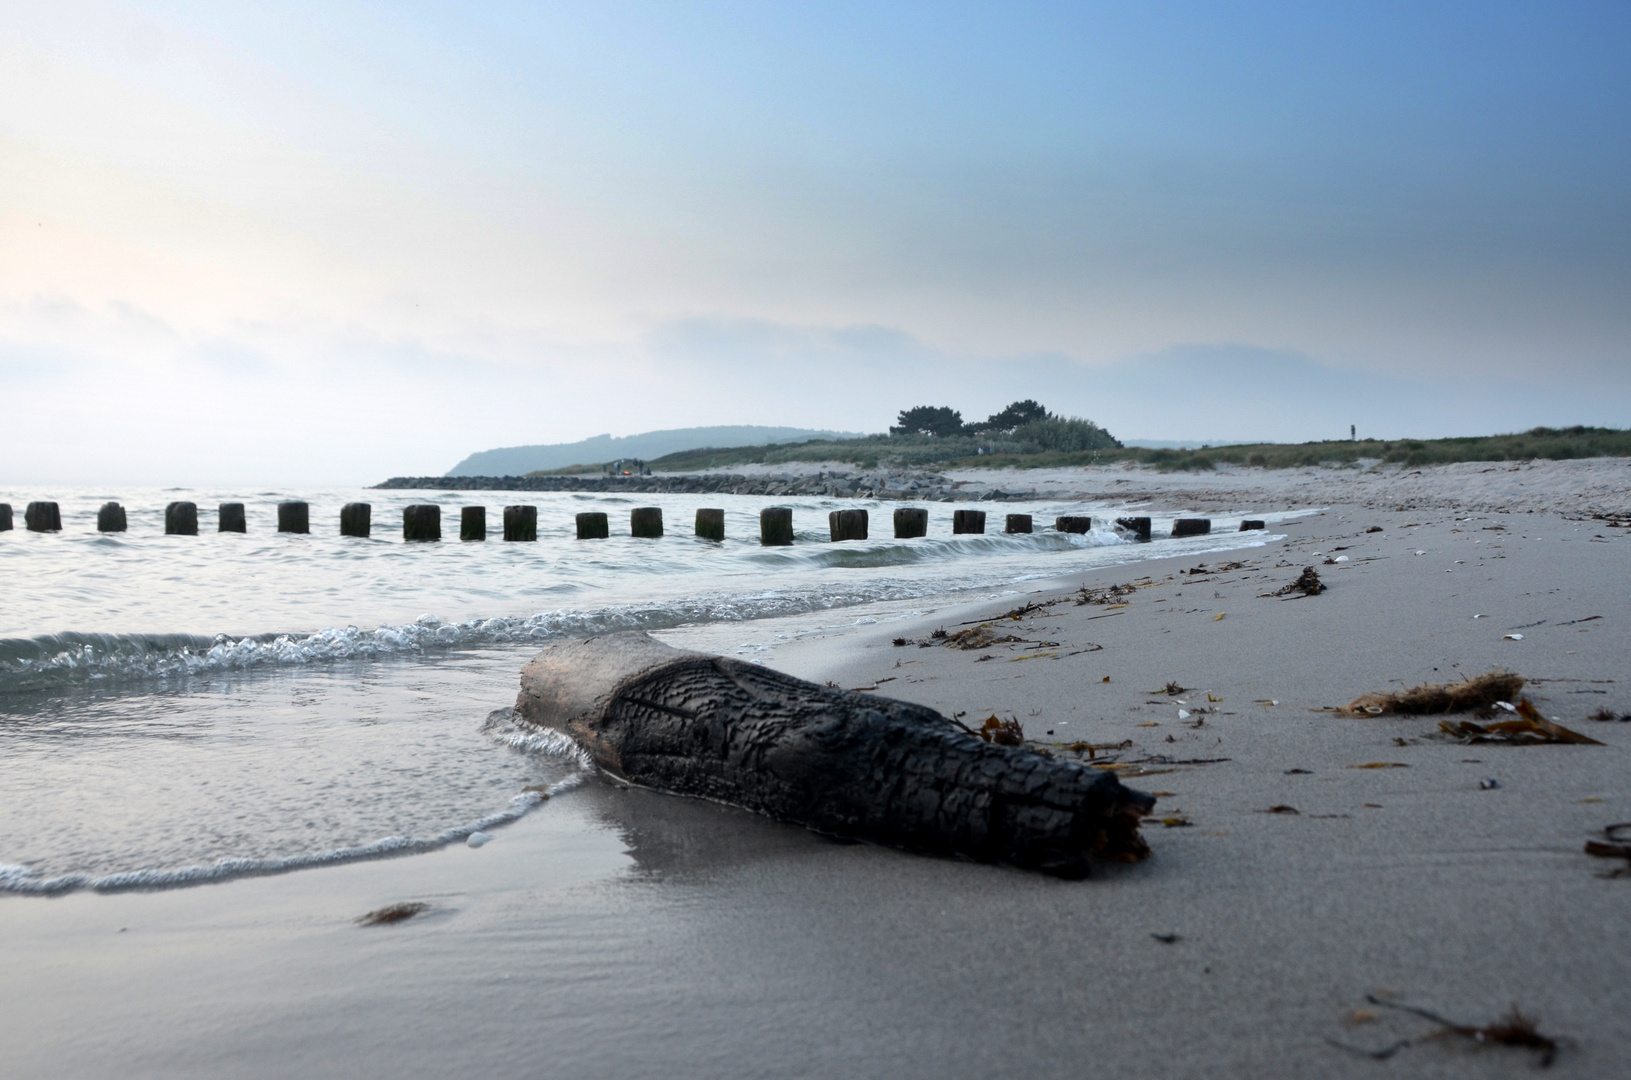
(1537, 443)
(925, 452)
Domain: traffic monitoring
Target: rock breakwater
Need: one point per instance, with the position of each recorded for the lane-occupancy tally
(836, 484)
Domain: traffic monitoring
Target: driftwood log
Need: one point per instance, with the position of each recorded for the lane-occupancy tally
(842, 763)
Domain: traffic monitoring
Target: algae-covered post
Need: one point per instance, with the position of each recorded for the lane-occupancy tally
(181, 519)
(1017, 523)
(968, 521)
(520, 523)
(1077, 525)
(847, 525)
(592, 525)
(43, 517)
(5, 517)
(911, 522)
(776, 526)
(711, 524)
(1191, 526)
(231, 518)
(356, 519)
(1249, 525)
(473, 523)
(422, 522)
(293, 517)
(110, 518)
(646, 522)
(839, 762)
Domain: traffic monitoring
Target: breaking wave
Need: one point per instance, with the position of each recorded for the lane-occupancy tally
(66, 659)
(71, 658)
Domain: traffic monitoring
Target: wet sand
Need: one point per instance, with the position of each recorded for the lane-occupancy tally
(626, 934)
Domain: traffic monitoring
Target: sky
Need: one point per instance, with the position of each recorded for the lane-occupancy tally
(334, 242)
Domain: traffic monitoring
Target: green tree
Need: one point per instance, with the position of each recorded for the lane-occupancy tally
(1020, 412)
(928, 420)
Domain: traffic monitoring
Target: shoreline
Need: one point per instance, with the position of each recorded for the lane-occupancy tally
(623, 933)
(1588, 487)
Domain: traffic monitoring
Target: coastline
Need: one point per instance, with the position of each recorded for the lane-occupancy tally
(622, 933)
(1580, 487)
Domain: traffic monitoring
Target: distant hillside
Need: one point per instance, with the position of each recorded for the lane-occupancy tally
(519, 460)
(962, 452)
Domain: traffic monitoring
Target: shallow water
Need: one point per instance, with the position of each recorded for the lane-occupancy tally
(179, 709)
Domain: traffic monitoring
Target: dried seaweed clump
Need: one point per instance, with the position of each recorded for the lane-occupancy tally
(1308, 583)
(1111, 595)
(1002, 732)
(1514, 1029)
(393, 913)
(978, 637)
(1479, 692)
(1529, 729)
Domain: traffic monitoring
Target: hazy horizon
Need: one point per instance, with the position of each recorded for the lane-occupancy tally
(333, 243)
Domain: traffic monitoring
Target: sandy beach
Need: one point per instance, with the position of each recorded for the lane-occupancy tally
(1303, 859)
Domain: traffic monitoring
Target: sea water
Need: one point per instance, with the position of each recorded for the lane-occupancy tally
(183, 709)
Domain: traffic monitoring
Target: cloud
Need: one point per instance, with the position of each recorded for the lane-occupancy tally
(308, 400)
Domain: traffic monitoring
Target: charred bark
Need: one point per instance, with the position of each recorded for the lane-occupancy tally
(843, 763)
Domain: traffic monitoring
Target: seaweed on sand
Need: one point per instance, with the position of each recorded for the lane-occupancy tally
(393, 913)
(1478, 692)
(1512, 1029)
(1529, 729)
(1309, 584)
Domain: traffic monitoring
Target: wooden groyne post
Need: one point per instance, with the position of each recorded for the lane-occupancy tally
(521, 523)
(110, 518)
(646, 522)
(43, 517)
(776, 526)
(356, 519)
(422, 521)
(232, 518)
(473, 523)
(5, 517)
(1073, 524)
(1250, 524)
(911, 522)
(592, 525)
(711, 524)
(293, 517)
(847, 525)
(1138, 526)
(1191, 526)
(181, 519)
(1017, 523)
(968, 521)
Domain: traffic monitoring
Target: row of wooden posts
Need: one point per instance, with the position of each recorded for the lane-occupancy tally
(424, 522)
